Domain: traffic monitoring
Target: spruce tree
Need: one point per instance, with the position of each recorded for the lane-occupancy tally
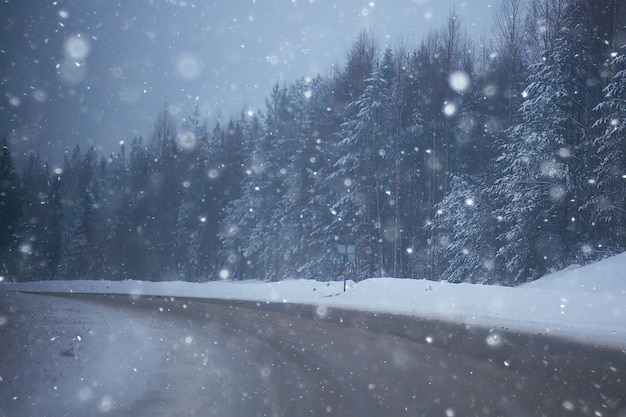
(539, 162)
(364, 167)
(608, 203)
(462, 232)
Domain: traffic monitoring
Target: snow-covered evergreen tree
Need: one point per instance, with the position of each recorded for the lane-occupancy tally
(240, 212)
(322, 261)
(290, 215)
(265, 185)
(464, 249)
(275, 192)
(608, 204)
(365, 166)
(538, 218)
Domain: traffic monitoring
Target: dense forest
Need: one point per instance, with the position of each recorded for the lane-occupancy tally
(491, 162)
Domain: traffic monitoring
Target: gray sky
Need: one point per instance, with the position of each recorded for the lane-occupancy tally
(98, 72)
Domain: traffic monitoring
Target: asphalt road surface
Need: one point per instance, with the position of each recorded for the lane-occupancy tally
(179, 357)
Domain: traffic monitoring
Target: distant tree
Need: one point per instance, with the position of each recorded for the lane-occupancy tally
(359, 65)
(35, 224)
(10, 210)
(82, 229)
(228, 174)
(143, 261)
(545, 21)
(208, 170)
(187, 237)
(54, 232)
(119, 203)
(237, 211)
(243, 218)
(164, 196)
(509, 60)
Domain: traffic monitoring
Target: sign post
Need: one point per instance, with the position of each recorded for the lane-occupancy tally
(348, 256)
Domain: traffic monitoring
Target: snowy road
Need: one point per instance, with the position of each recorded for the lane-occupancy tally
(130, 356)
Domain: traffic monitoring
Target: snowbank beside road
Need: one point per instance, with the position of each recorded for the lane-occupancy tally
(606, 276)
(587, 304)
(598, 318)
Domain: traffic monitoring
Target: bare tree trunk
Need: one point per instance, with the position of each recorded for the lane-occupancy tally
(619, 24)
(396, 220)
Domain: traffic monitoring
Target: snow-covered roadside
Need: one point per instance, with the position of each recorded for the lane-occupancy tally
(587, 304)
(590, 318)
(72, 357)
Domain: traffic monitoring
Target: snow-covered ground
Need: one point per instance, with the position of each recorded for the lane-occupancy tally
(587, 304)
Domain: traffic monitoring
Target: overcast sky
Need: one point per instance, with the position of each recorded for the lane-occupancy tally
(98, 72)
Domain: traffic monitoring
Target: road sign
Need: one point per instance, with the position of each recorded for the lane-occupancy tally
(348, 255)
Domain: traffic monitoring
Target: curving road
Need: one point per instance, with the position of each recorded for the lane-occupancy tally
(156, 356)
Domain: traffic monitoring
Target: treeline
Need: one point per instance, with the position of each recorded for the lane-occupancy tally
(490, 163)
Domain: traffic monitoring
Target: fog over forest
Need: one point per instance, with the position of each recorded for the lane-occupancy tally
(95, 73)
(494, 163)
